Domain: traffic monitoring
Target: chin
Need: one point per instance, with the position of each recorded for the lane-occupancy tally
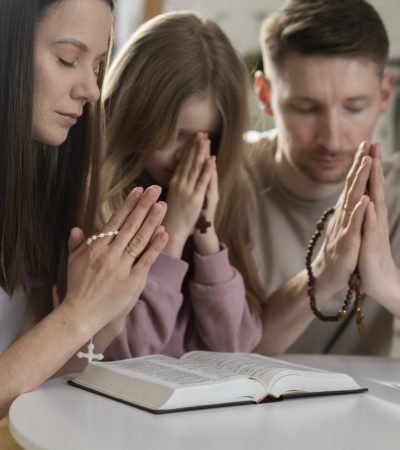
(53, 139)
(325, 176)
(328, 178)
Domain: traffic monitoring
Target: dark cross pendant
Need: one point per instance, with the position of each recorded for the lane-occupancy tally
(202, 224)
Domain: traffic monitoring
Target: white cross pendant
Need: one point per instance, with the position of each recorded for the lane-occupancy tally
(90, 355)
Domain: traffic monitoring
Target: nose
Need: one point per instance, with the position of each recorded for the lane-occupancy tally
(330, 132)
(86, 88)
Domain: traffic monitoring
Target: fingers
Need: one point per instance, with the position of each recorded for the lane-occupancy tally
(76, 239)
(370, 226)
(146, 234)
(357, 216)
(363, 150)
(186, 155)
(212, 188)
(214, 176)
(204, 180)
(357, 188)
(196, 161)
(158, 230)
(136, 217)
(377, 185)
(119, 217)
(151, 253)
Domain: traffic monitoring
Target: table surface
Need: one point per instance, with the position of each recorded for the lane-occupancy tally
(60, 416)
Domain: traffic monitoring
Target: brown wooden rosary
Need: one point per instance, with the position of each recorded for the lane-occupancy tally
(354, 284)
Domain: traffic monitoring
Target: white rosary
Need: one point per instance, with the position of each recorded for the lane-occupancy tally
(91, 355)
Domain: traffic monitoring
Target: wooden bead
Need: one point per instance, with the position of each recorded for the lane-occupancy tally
(354, 283)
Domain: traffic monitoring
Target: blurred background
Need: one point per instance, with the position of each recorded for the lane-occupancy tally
(241, 21)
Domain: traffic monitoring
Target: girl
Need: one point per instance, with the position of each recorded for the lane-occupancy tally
(52, 59)
(177, 105)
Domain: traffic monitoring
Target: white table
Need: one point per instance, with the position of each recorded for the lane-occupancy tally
(57, 416)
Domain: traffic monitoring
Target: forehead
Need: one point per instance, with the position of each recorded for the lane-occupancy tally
(88, 21)
(199, 113)
(321, 76)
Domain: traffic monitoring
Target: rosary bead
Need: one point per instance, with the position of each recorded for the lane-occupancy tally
(353, 289)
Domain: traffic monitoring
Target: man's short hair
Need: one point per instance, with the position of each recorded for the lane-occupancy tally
(349, 28)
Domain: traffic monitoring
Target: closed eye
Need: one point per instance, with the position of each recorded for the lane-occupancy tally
(309, 110)
(67, 63)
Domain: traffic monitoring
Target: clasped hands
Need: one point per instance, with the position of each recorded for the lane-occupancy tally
(192, 190)
(358, 235)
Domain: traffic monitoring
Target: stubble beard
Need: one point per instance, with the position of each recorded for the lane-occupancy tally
(320, 176)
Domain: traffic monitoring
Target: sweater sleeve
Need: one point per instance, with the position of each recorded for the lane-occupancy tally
(150, 324)
(223, 320)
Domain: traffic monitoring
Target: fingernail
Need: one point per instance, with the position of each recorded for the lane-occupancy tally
(365, 146)
(154, 189)
(157, 208)
(135, 191)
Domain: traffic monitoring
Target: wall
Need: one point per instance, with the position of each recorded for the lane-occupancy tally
(241, 19)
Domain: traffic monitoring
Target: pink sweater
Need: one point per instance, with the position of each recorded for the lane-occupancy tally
(213, 314)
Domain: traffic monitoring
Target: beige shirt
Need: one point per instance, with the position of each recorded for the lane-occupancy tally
(280, 248)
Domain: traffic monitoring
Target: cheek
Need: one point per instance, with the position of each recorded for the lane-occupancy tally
(155, 164)
(298, 131)
(50, 82)
(360, 128)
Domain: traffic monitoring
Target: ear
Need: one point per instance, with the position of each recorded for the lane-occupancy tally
(262, 89)
(387, 85)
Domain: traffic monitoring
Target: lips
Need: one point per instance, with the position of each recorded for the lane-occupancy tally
(69, 117)
(330, 162)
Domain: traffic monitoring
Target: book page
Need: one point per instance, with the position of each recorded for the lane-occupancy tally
(246, 364)
(174, 371)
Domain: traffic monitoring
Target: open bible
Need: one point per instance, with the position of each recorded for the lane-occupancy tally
(207, 379)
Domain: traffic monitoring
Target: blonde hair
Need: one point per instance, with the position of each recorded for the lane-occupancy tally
(169, 60)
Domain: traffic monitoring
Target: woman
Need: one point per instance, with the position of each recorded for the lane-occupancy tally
(52, 60)
(177, 103)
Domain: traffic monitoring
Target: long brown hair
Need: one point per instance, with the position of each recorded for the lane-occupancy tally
(44, 191)
(169, 60)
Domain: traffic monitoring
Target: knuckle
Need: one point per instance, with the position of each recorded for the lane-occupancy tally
(130, 224)
(147, 259)
(137, 243)
(146, 202)
(114, 221)
(95, 261)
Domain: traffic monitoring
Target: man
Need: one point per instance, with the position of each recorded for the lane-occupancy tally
(325, 85)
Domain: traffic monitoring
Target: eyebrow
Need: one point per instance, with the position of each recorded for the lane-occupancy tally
(78, 44)
(349, 99)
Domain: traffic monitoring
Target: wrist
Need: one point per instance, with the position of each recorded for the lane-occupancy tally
(326, 285)
(175, 245)
(76, 321)
(113, 328)
(206, 243)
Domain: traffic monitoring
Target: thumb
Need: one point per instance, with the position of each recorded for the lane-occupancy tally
(76, 238)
